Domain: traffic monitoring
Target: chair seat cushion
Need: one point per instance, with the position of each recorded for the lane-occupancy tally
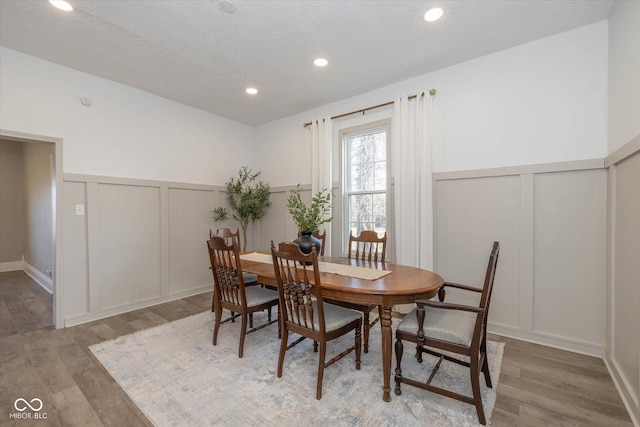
(257, 295)
(335, 316)
(249, 278)
(448, 325)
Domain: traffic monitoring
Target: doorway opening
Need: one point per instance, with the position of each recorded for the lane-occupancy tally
(41, 240)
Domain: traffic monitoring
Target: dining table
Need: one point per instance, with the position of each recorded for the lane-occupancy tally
(361, 281)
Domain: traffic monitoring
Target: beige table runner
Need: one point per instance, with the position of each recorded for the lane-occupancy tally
(327, 267)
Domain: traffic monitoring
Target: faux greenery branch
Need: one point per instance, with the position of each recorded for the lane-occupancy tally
(219, 214)
(309, 218)
(248, 198)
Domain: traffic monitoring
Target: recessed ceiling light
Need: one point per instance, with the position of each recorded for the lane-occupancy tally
(433, 14)
(251, 90)
(62, 5)
(320, 62)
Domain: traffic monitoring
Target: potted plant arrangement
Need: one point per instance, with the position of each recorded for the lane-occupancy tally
(248, 198)
(309, 218)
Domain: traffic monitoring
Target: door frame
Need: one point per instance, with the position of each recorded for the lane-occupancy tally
(58, 315)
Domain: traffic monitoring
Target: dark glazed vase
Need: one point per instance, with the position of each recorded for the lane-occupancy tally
(306, 241)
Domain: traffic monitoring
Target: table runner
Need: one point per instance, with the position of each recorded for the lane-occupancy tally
(327, 267)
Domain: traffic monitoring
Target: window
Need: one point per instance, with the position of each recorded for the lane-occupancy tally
(365, 181)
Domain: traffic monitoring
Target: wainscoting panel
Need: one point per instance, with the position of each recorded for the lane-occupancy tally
(74, 246)
(128, 244)
(570, 248)
(623, 353)
(140, 243)
(470, 215)
(551, 223)
(189, 223)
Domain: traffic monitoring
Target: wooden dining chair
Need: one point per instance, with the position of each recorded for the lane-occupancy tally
(303, 310)
(451, 328)
(366, 247)
(231, 293)
(228, 235)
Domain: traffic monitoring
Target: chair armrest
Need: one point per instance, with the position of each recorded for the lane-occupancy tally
(463, 287)
(442, 292)
(447, 306)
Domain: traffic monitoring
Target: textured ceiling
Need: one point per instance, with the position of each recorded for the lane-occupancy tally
(194, 53)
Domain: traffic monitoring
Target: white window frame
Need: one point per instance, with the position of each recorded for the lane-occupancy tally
(344, 134)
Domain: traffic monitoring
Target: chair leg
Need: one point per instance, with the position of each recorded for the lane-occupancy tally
(367, 327)
(216, 325)
(283, 348)
(398, 378)
(358, 346)
(485, 363)
(251, 320)
(243, 334)
(475, 386)
(321, 358)
(213, 301)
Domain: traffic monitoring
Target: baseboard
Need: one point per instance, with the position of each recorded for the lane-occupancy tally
(41, 279)
(113, 311)
(623, 390)
(561, 343)
(11, 266)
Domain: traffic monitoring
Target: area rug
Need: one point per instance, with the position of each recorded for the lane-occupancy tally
(178, 378)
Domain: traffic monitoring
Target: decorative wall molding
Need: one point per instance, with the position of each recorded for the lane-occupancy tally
(140, 243)
(569, 166)
(41, 279)
(11, 266)
(627, 386)
(113, 311)
(534, 210)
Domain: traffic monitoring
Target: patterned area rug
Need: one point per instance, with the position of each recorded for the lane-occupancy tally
(177, 378)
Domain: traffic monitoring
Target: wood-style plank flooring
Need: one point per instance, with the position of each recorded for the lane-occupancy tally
(538, 385)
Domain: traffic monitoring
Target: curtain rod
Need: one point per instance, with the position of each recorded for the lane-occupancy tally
(431, 92)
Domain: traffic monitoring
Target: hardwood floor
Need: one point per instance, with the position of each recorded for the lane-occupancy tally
(538, 385)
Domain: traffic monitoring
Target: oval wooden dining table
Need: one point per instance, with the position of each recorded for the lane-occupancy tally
(403, 285)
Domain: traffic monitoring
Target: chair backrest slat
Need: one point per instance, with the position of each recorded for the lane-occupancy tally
(227, 271)
(368, 246)
(296, 276)
(227, 235)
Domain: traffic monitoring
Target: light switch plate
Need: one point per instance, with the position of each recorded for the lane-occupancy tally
(79, 209)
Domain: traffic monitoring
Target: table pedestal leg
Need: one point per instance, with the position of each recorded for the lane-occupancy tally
(385, 323)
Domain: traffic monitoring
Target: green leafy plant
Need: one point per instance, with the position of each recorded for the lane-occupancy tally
(309, 218)
(248, 198)
(219, 214)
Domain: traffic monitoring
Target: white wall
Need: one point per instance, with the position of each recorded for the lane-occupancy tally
(38, 207)
(624, 69)
(126, 132)
(11, 205)
(540, 102)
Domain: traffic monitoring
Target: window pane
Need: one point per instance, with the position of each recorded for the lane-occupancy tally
(367, 212)
(366, 174)
(367, 158)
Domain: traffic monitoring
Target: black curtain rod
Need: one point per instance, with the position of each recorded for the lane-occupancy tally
(431, 92)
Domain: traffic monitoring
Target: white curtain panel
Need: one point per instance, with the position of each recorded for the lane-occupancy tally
(413, 190)
(321, 174)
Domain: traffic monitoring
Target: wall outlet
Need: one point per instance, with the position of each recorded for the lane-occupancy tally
(80, 210)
